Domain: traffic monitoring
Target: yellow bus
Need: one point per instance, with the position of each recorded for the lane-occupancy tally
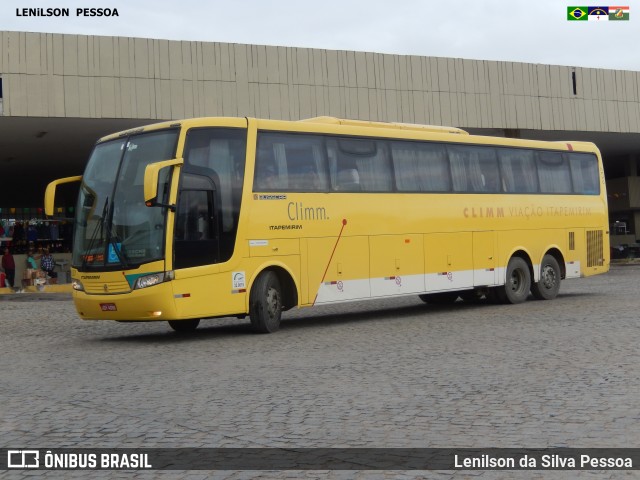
(215, 217)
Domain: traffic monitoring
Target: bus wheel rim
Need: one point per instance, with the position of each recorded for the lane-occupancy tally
(273, 303)
(517, 280)
(548, 277)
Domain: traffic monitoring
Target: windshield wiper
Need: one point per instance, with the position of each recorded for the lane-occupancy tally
(94, 235)
(114, 240)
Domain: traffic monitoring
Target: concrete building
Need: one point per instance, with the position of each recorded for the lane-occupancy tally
(59, 93)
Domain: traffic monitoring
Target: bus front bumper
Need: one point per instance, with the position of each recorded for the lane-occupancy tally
(147, 304)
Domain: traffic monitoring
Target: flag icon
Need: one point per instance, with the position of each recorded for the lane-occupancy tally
(618, 13)
(577, 13)
(599, 14)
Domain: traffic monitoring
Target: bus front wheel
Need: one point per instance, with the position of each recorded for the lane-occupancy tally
(518, 282)
(265, 303)
(183, 326)
(548, 286)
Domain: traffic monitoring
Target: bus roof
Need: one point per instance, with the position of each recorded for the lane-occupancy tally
(396, 125)
(406, 128)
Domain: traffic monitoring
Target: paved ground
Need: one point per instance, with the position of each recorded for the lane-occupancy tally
(391, 373)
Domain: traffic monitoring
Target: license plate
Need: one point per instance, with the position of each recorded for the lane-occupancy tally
(108, 307)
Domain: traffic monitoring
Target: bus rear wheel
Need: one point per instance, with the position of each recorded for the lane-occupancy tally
(548, 286)
(265, 303)
(518, 282)
(183, 326)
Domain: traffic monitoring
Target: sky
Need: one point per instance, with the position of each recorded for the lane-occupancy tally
(533, 31)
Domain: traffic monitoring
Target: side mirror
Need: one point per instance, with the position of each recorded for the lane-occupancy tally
(50, 192)
(151, 174)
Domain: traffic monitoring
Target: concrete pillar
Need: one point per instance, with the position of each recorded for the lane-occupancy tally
(631, 166)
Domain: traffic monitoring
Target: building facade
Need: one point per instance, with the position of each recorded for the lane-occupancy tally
(58, 93)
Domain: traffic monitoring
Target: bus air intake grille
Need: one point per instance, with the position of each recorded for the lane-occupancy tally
(97, 287)
(595, 252)
(572, 240)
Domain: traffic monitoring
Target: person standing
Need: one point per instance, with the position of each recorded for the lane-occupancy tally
(47, 264)
(9, 266)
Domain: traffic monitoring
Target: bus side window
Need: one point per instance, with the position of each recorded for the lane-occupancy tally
(474, 168)
(219, 154)
(369, 158)
(518, 169)
(584, 172)
(290, 163)
(420, 167)
(459, 159)
(487, 168)
(553, 172)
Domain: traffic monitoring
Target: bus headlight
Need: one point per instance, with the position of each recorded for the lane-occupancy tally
(77, 285)
(152, 279)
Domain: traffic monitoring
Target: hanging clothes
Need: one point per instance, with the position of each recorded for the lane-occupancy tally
(54, 233)
(32, 233)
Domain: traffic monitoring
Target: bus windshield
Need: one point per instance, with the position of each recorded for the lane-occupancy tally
(114, 227)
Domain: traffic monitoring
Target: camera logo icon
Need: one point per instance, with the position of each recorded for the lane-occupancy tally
(23, 459)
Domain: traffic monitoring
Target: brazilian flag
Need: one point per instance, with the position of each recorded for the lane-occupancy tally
(577, 13)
